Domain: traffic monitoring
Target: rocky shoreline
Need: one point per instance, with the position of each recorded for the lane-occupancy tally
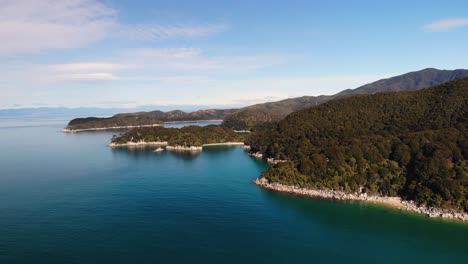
(182, 148)
(177, 148)
(257, 155)
(396, 202)
(225, 144)
(138, 144)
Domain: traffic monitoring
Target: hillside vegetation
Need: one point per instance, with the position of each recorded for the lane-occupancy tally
(410, 144)
(147, 118)
(186, 136)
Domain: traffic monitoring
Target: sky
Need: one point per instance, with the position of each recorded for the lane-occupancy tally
(126, 54)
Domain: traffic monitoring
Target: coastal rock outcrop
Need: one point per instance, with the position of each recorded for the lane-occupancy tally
(159, 149)
(182, 148)
(275, 161)
(256, 155)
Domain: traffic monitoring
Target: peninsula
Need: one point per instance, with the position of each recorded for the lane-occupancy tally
(409, 145)
(144, 119)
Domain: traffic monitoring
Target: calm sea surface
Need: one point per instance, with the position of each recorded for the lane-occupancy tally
(68, 198)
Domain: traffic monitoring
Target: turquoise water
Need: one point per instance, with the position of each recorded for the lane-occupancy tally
(68, 198)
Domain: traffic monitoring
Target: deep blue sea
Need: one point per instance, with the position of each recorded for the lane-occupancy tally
(69, 198)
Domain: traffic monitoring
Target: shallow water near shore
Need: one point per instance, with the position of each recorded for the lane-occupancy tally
(68, 198)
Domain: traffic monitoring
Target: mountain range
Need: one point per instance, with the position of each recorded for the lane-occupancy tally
(255, 116)
(251, 116)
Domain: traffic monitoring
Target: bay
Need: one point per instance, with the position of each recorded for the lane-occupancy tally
(69, 198)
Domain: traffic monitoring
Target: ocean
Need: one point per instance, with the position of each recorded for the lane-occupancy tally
(69, 198)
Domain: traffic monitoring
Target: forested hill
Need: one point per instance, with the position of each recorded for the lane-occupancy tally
(412, 144)
(147, 118)
(249, 117)
(186, 136)
(408, 82)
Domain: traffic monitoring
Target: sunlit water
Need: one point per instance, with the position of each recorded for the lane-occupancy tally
(68, 198)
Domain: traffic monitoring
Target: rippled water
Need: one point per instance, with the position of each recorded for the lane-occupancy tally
(68, 198)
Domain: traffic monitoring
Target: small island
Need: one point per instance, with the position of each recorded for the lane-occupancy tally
(189, 138)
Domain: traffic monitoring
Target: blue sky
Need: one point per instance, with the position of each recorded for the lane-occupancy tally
(118, 53)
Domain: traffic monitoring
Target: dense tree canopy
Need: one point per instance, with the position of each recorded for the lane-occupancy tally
(186, 136)
(250, 119)
(411, 144)
(147, 118)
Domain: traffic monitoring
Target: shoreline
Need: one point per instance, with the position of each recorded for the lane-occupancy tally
(67, 130)
(395, 202)
(139, 143)
(168, 147)
(182, 148)
(224, 144)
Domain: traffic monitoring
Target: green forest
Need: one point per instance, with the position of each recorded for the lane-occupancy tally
(250, 120)
(187, 136)
(408, 144)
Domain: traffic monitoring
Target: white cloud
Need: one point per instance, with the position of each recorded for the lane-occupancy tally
(155, 32)
(86, 77)
(87, 67)
(85, 71)
(163, 53)
(446, 24)
(148, 64)
(67, 86)
(28, 26)
(192, 59)
(31, 26)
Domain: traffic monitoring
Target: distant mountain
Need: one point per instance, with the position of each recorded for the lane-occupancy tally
(146, 119)
(410, 144)
(249, 117)
(408, 82)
